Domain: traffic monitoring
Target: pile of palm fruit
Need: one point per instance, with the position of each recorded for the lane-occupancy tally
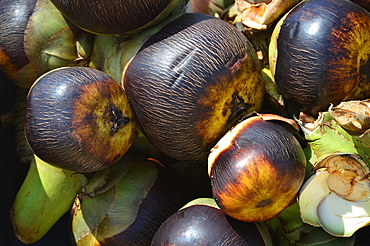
(209, 122)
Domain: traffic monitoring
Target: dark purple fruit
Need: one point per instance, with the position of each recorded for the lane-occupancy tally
(256, 169)
(14, 16)
(204, 224)
(323, 54)
(190, 82)
(113, 16)
(79, 119)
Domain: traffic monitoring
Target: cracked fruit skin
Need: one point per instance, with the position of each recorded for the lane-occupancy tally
(256, 170)
(190, 82)
(79, 119)
(323, 54)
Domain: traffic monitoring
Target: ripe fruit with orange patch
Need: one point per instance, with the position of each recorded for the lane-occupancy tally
(256, 169)
(79, 119)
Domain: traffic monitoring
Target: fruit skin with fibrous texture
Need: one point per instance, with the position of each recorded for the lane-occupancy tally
(201, 222)
(190, 82)
(256, 169)
(321, 54)
(79, 119)
(115, 16)
(14, 17)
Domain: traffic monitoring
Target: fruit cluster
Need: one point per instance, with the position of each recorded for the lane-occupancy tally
(171, 122)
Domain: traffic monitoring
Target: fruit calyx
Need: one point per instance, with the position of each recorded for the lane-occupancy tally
(117, 118)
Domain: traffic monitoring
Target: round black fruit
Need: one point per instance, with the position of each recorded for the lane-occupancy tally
(190, 82)
(79, 119)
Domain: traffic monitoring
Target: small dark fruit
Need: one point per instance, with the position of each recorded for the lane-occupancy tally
(201, 222)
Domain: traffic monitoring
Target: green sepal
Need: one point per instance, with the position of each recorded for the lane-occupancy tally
(46, 194)
(218, 6)
(111, 54)
(310, 160)
(45, 21)
(175, 7)
(88, 213)
(131, 190)
(57, 52)
(105, 179)
(23, 150)
(67, 47)
(106, 54)
(364, 138)
(275, 229)
(274, 96)
(25, 76)
(272, 48)
(201, 201)
(108, 213)
(263, 229)
(329, 137)
(142, 147)
(89, 239)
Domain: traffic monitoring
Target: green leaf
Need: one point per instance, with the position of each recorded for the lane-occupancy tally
(319, 237)
(275, 228)
(293, 226)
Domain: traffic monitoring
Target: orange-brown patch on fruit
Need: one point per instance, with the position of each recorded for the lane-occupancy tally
(351, 44)
(259, 192)
(6, 64)
(101, 115)
(240, 91)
